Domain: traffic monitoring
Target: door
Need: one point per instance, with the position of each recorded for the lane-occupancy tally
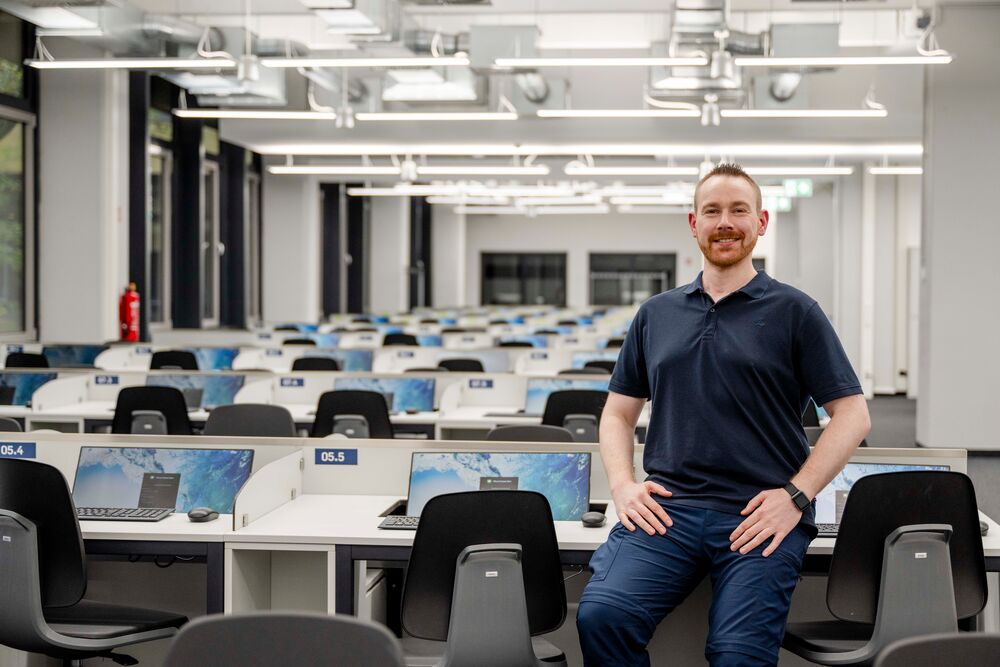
(158, 235)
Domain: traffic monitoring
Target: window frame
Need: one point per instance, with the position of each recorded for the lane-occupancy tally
(30, 331)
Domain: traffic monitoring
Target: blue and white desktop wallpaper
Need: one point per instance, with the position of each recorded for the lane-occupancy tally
(540, 388)
(24, 384)
(350, 360)
(217, 389)
(407, 393)
(112, 476)
(215, 358)
(563, 478)
(830, 501)
(72, 356)
(580, 359)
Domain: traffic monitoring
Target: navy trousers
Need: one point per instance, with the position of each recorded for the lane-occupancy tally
(637, 579)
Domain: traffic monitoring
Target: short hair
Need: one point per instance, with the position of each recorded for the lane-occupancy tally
(729, 169)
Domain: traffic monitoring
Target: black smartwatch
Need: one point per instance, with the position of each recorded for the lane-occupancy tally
(800, 499)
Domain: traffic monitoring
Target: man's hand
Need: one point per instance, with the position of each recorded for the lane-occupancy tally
(769, 513)
(637, 507)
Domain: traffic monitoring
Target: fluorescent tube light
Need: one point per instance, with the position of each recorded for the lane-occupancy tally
(799, 171)
(457, 191)
(839, 61)
(255, 114)
(392, 63)
(509, 63)
(619, 113)
(333, 170)
(572, 210)
(134, 63)
(435, 115)
(896, 171)
(463, 200)
(652, 210)
(489, 210)
(583, 170)
(483, 170)
(804, 113)
(560, 201)
(638, 201)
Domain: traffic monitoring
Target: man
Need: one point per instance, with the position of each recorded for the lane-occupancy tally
(729, 363)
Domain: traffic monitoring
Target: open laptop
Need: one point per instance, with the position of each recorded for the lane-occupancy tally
(562, 477)
(165, 479)
(830, 501)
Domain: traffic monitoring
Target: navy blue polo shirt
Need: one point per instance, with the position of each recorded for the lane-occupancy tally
(728, 383)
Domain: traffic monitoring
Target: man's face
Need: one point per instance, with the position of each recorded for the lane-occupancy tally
(727, 223)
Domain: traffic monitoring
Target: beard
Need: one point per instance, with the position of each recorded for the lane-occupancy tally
(726, 257)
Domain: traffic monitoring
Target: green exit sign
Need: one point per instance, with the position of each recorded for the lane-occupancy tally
(798, 187)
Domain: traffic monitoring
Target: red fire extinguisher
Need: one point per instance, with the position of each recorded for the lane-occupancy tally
(128, 314)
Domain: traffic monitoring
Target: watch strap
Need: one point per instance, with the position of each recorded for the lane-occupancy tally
(800, 499)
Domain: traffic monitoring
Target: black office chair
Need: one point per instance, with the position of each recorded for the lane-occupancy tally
(584, 371)
(168, 401)
(7, 394)
(429, 320)
(974, 649)
(298, 341)
(546, 332)
(908, 561)
(286, 327)
(567, 323)
(259, 420)
(498, 322)
(315, 364)
(484, 576)
(26, 360)
(8, 425)
(425, 369)
(463, 365)
(361, 319)
(180, 359)
(810, 417)
(577, 410)
(340, 403)
(514, 343)
(304, 640)
(43, 579)
(615, 343)
(453, 330)
(603, 364)
(529, 433)
(400, 339)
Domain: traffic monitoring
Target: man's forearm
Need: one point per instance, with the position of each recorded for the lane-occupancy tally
(847, 428)
(618, 449)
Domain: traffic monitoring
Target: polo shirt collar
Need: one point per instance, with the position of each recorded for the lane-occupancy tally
(753, 289)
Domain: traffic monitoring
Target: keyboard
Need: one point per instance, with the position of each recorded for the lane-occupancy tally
(400, 523)
(827, 529)
(123, 513)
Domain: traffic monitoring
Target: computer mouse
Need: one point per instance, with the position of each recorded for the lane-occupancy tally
(593, 519)
(983, 527)
(202, 514)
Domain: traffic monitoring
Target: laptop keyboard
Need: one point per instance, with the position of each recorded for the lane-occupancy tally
(827, 529)
(123, 513)
(400, 523)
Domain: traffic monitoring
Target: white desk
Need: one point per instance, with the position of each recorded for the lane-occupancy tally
(87, 411)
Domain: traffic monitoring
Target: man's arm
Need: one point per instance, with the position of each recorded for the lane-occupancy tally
(772, 512)
(633, 502)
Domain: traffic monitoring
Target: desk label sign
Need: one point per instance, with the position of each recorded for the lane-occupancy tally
(105, 379)
(480, 384)
(144, 350)
(293, 382)
(336, 457)
(272, 352)
(17, 450)
(468, 339)
(367, 337)
(572, 340)
(405, 354)
(539, 355)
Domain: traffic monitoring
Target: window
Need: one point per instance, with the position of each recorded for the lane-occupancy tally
(15, 226)
(160, 220)
(11, 56)
(626, 279)
(211, 248)
(524, 279)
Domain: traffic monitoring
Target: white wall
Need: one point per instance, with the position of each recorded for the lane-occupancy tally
(389, 255)
(290, 239)
(83, 202)
(448, 254)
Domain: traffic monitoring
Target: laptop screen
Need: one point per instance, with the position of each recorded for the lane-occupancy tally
(831, 500)
(161, 477)
(562, 477)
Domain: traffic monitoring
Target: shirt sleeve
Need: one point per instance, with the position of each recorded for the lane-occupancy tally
(630, 376)
(824, 369)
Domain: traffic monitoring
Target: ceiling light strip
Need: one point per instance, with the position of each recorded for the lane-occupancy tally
(134, 63)
(390, 63)
(839, 61)
(804, 113)
(896, 171)
(799, 171)
(619, 113)
(332, 170)
(483, 170)
(254, 114)
(583, 170)
(409, 116)
(514, 63)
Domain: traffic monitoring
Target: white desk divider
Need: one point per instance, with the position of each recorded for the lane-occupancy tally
(176, 338)
(397, 359)
(468, 341)
(361, 339)
(576, 341)
(548, 361)
(485, 392)
(270, 487)
(301, 388)
(125, 358)
(257, 391)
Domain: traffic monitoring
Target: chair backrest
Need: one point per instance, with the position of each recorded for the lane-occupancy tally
(463, 365)
(305, 640)
(149, 422)
(182, 359)
(168, 400)
(566, 323)
(514, 343)
(879, 504)
(573, 402)
(286, 327)
(251, 420)
(369, 404)
(584, 371)
(315, 364)
(7, 395)
(39, 493)
(530, 433)
(964, 648)
(605, 364)
(426, 369)
(809, 416)
(400, 339)
(298, 341)
(8, 425)
(26, 360)
(451, 522)
(615, 343)
(583, 427)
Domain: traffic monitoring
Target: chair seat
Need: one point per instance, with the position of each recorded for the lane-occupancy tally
(428, 653)
(96, 620)
(826, 636)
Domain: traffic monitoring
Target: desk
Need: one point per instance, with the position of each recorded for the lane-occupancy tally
(468, 422)
(88, 415)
